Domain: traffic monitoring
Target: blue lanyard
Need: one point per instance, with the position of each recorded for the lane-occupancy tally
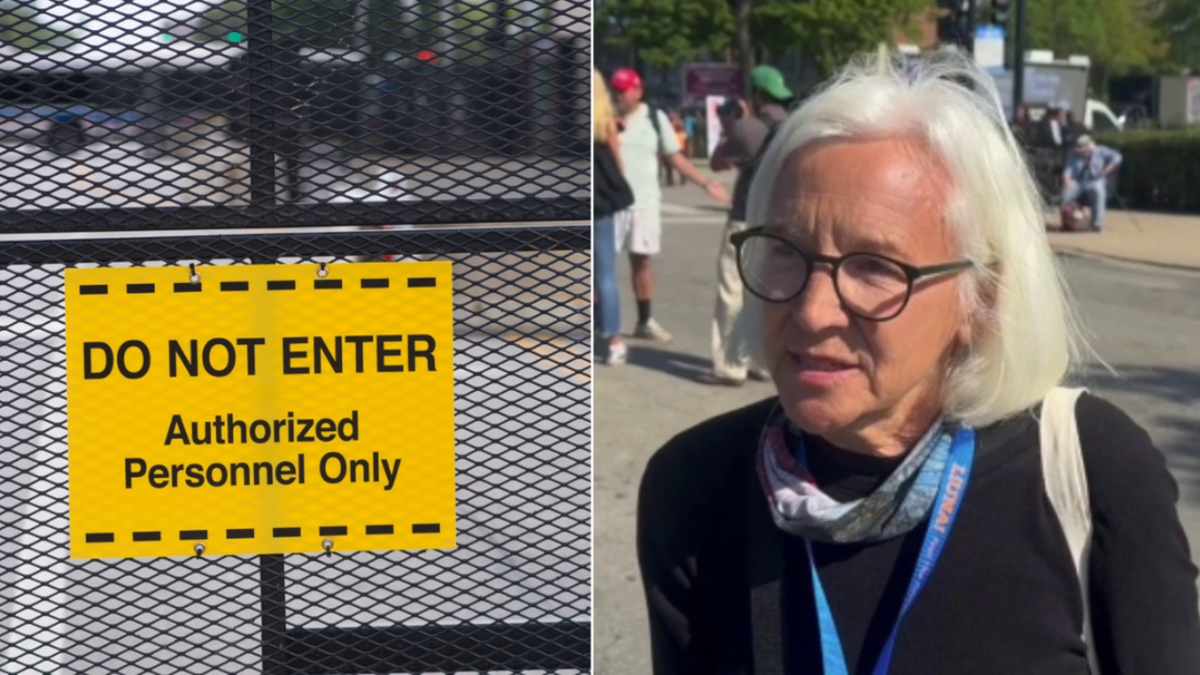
(949, 497)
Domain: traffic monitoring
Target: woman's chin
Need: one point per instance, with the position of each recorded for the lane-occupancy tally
(818, 415)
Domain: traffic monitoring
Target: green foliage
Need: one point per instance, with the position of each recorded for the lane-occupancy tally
(390, 25)
(667, 32)
(1159, 170)
(23, 28)
(320, 24)
(220, 20)
(1118, 35)
(1179, 23)
(830, 31)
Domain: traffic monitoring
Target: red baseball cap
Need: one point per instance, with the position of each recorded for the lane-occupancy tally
(625, 79)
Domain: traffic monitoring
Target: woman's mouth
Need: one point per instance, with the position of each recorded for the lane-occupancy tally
(820, 370)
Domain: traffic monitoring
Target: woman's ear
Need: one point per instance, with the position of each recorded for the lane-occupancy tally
(982, 319)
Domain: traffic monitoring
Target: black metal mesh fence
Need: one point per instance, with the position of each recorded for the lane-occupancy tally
(126, 117)
(172, 115)
(513, 597)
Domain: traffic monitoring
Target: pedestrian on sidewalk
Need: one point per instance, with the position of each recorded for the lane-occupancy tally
(1053, 131)
(646, 134)
(1085, 178)
(921, 495)
(745, 133)
(611, 198)
(682, 140)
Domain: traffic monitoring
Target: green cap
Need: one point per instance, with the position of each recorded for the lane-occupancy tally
(769, 80)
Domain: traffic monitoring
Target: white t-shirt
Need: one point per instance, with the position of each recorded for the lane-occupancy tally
(639, 153)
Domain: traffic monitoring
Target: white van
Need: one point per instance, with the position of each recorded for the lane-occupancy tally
(1099, 118)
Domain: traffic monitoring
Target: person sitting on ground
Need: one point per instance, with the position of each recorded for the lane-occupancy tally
(1085, 177)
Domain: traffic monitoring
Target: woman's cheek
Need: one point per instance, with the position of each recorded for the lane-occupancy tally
(774, 331)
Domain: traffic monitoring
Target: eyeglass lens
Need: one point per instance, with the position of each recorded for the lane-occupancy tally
(869, 285)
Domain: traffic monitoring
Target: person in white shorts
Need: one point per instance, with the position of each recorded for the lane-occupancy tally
(640, 230)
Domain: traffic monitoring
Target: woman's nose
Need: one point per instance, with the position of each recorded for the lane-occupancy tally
(819, 307)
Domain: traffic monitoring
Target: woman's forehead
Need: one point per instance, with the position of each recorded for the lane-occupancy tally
(898, 167)
(884, 194)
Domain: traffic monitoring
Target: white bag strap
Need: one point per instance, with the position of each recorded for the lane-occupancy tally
(1066, 486)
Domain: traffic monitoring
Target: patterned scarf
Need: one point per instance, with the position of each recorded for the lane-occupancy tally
(897, 506)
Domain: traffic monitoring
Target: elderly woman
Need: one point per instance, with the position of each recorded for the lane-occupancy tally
(897, 506)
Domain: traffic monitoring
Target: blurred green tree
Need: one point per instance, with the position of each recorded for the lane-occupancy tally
(667, 33)
(830, 31)
(24, 28)
(1119, 36)
(384, 25)
(1179, 23)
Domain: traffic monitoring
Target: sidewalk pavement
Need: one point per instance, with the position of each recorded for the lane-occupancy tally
(1167, 240)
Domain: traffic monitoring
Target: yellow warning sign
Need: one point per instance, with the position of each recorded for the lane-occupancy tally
(260, 409)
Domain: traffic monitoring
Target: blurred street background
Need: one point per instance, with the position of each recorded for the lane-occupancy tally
(1124, 71)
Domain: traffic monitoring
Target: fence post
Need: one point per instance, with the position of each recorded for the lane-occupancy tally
(274, 614)
(264, 53)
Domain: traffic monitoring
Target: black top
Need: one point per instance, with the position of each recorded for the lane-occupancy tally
(1003, 600)
(610, 193)
(748, 152)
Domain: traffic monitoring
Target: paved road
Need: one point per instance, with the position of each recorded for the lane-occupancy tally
(131, 174)
(1144, 322)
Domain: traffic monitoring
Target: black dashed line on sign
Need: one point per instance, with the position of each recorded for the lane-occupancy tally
(248, 533)
(274, 285)
(422, 282)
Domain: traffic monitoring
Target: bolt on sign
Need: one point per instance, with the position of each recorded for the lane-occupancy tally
(260, 409)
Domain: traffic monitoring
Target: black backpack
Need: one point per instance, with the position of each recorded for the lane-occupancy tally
(611, 192)
(653, 112)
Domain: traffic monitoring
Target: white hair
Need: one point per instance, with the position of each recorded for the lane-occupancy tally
(1027, 337)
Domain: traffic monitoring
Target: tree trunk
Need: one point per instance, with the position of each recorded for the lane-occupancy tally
(745, 51)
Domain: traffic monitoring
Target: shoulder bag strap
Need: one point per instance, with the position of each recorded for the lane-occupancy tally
(1065, 477)
(657, 124)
